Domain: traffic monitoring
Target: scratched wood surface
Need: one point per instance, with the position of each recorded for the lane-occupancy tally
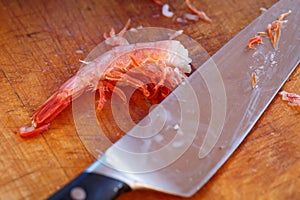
(40, 45)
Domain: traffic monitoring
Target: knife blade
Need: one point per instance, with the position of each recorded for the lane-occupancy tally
(201, 123)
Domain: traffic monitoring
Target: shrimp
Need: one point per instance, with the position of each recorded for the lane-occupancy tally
(162, 63)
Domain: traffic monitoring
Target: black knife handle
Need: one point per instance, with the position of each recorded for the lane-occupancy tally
(90, 186)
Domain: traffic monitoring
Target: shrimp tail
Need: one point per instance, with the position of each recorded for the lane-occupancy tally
(30, 131)
(52, 107)
(46, 113)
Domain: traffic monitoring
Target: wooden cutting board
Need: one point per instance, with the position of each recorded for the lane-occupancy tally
(41, 44)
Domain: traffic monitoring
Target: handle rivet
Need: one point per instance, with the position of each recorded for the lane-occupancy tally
(78, 193)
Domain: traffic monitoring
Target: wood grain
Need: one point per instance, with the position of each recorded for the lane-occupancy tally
(39, 43)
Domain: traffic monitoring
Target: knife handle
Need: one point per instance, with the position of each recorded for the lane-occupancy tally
(90, 186)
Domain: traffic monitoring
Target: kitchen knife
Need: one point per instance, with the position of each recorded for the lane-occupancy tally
(187, 137)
